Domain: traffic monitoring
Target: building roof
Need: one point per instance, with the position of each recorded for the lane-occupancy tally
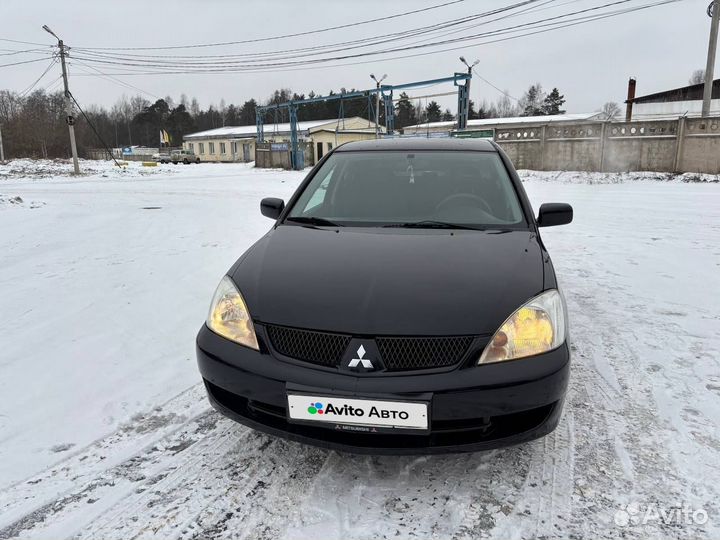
(418, 144)
(691, 92)
(370, 131)
(233, 132)
(512, 120)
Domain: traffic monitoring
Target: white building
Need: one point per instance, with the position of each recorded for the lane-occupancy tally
(237, 143)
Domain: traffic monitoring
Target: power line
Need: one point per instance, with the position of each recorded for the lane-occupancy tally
(24, 62)
(29, 88)
(491, 84)
(110, 78)
(25, 42)
(284, 36)
(51, 86)
(13, 52)
(92, 126)
(546, 24)
(128, 70)
(373, 40)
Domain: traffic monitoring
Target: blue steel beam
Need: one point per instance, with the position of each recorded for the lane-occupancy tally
(294, 160)
(389, 112)
(386, 91)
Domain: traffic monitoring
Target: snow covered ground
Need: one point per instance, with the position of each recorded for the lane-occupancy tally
(106, 433)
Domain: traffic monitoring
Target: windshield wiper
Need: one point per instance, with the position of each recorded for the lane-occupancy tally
(430, 224)
(312, 220)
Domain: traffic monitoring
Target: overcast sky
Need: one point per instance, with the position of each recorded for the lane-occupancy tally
(589, 63)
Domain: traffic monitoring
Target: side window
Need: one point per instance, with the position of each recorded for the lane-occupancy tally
(201, 147)
(211, 148)
(319, 196)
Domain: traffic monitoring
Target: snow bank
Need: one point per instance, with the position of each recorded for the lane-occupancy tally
(49, 169)
(584, 177)
(41, 169)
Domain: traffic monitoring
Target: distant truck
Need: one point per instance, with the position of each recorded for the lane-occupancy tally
(178, 156)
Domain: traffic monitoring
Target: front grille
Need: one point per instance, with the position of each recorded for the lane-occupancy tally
(316, 347)
(403, 353)
(398, 353)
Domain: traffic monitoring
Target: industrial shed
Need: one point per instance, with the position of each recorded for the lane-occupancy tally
(237, 143)
(670, 104)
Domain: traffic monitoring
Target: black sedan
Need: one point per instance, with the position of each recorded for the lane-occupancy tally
(403, 302)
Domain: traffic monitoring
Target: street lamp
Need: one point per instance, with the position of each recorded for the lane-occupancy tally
(462, 122)
(475, 63)
(47, 29)
(377, 102)
(68, 104)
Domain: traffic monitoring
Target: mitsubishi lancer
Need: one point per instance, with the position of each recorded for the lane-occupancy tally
(403, 301)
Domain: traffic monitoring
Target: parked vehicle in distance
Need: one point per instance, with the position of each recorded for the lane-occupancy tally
(184, 156)
(162, 158)
(403, 302)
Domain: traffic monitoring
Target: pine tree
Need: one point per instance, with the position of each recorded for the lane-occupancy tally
(404, 112)
(433, 112)
(552, 103)
(448, 116)
(472, 113)
(532, 101)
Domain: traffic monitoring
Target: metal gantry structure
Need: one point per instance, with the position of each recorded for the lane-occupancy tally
(386, 91)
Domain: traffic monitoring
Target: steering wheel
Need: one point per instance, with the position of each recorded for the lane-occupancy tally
(478, 201)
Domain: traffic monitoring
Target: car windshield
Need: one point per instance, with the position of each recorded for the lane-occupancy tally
(423, 189)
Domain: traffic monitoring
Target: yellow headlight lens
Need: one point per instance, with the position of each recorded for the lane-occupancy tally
(535, 328)
(229, 316)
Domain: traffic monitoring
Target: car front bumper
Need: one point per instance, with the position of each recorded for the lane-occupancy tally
(471, 408)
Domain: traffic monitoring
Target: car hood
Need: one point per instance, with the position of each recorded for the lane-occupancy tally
(389, 281)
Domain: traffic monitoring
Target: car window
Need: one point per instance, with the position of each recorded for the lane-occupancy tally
(382, 188)
(318, 195)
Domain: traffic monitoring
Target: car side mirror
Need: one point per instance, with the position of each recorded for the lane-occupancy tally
(554, 214)
(272, 207)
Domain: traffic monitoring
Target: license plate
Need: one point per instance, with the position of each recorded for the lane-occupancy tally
(359, 412)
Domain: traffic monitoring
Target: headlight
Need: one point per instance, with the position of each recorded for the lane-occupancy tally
(229, 316)
(536, 327)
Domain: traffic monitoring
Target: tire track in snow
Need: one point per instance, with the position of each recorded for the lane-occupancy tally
(110, 488)
(80, 468)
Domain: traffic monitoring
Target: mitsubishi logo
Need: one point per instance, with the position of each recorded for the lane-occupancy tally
(366, 363)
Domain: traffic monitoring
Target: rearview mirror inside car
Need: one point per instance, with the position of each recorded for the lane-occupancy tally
(554, 214)
(272, 207)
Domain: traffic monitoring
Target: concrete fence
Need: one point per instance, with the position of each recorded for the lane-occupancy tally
(682, 145)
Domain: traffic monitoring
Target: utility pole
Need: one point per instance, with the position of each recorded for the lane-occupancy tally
(2, 150)
(467, 90)
(713, 11)
(377, 103)
(68, 102)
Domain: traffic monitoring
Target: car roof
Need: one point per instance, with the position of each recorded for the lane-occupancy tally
(419, 143)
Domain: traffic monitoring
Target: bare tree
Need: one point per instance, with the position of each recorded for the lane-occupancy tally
(194, 108)
(697, 77)
(504, 108)
(222, 110)
(137, 104)
(610, 110)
